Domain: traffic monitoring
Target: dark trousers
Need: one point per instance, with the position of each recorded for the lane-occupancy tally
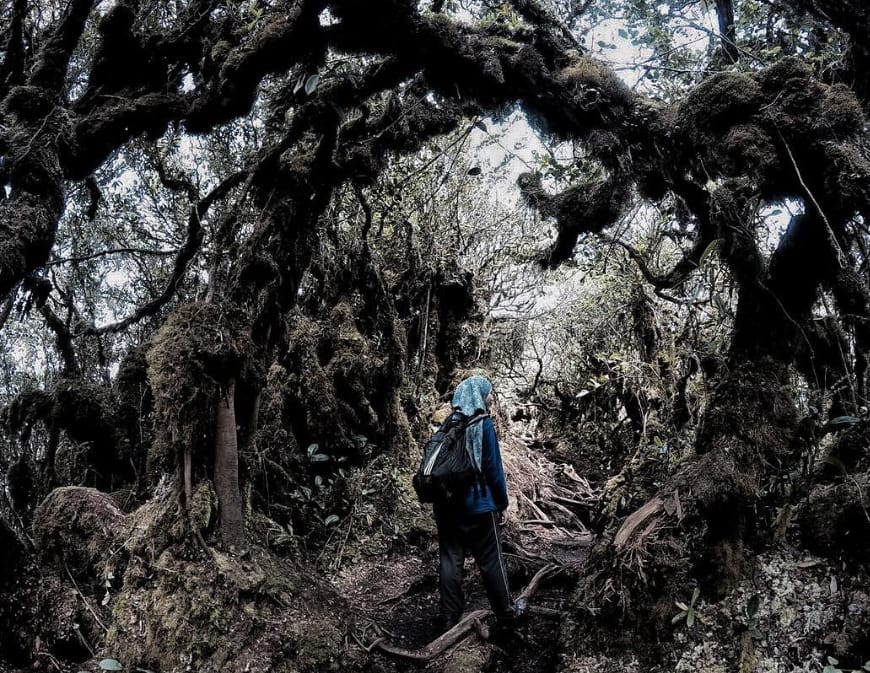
(478, 533)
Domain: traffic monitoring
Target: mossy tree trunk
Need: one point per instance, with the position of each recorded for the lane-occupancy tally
(226, 470)
(749, 426)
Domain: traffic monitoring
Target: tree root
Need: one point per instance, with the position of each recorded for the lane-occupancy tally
(473, 621)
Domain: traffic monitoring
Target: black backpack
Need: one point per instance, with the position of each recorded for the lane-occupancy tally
(447, 471)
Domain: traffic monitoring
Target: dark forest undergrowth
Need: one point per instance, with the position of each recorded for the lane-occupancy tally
(101, 592)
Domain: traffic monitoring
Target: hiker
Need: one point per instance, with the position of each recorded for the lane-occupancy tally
(472, 522)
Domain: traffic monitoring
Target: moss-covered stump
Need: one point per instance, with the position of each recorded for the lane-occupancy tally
(256, 613)
(835, 521)
(79, 532)
(80, 528)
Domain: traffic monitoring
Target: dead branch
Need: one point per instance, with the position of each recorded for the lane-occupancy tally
(85, 600)
(636, 520)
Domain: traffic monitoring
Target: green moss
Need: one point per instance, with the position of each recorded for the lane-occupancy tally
(257, 613)
(718, 102)
(588, 75)
(196, 351)
(750, 148)
(773, 78)
(80, 527)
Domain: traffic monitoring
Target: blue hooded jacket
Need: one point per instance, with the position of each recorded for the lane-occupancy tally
(496, 498)
(470, 399)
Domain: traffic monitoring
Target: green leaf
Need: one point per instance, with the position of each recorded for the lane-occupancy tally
(319, 458)
(331, 519)
(622, 33)
(312, 448)
(709, 250)
(474, 171)
(111, 665)
(690, 618)
(844, 420)
(753, 605)
(479, 124)
(695, 594)
(311, 84)
(679, 617)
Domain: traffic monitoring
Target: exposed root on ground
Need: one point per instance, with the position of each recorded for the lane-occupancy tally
(472, 622)
(554, 506)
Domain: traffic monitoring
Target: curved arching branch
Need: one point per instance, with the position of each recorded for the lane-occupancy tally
(182, 259)
(52, 63)
(12, 68)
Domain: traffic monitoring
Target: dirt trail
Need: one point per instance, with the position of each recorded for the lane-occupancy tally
(395, 598)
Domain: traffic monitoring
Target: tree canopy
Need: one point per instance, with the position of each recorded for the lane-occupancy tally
(246, 246)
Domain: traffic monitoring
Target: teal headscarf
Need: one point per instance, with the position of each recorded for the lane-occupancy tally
(470, 399)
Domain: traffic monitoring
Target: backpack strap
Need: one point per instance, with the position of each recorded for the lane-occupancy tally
(475, 419)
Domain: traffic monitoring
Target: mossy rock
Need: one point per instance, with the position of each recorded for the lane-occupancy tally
(81, 528)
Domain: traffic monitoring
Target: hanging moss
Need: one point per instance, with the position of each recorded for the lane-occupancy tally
(196, 351)
(30, 407)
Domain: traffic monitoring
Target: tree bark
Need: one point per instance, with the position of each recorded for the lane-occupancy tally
(727, 31)
(226, 470)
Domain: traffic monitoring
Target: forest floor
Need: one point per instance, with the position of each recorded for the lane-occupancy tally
(793, 612)
(395, 598)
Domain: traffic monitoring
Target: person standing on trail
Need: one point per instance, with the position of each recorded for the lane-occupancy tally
(473, 522)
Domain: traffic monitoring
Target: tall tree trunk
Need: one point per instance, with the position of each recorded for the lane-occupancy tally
(226, 470)
(727, 31)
